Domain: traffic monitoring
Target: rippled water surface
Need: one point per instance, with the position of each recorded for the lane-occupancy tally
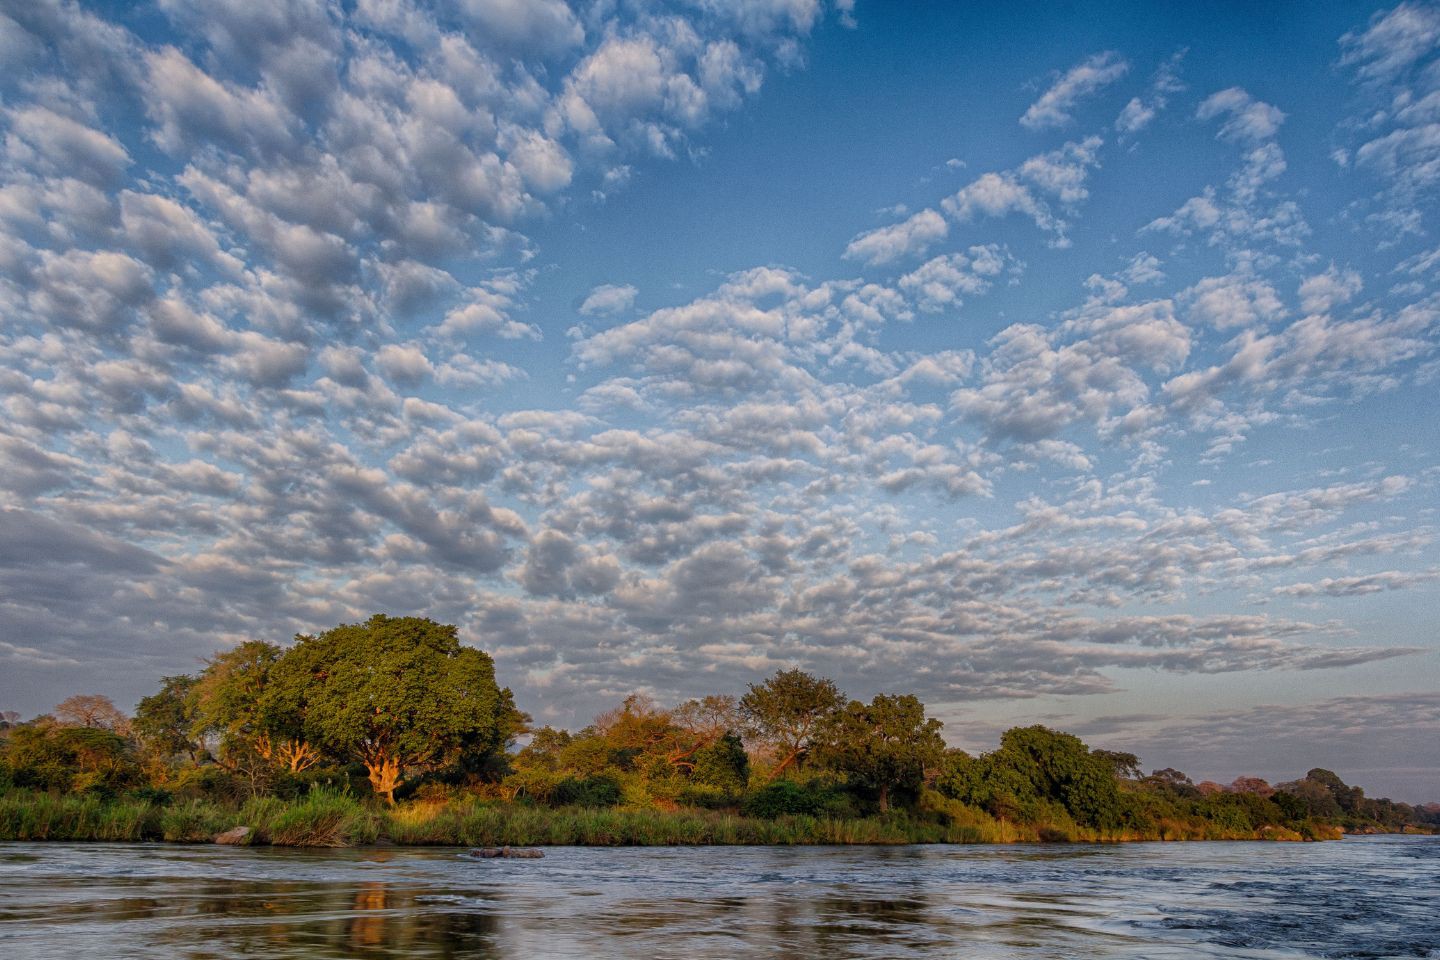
(1360, 897)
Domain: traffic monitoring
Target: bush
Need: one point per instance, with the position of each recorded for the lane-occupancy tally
(195, 821)
(787, 798)
(707, 797)
(723, 764)
(158, 796)
(209, 783)
(601, 791)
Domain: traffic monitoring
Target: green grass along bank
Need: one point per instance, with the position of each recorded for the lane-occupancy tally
(331, 818)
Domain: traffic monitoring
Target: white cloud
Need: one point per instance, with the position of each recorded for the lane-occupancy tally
(1394, 40)
(609, 299)
(1090, 75)
(1325, 291)
(1139, 112)
(942, 283)
(544, 26)
(910, 237)
(1060, 174)
(1247, 119)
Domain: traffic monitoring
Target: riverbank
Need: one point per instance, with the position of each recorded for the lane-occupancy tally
(331, 819)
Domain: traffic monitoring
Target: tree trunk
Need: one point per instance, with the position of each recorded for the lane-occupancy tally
(884, 798)
(783, 764)
(384, 775)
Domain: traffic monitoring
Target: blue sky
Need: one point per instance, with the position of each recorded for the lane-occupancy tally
(1074, 366)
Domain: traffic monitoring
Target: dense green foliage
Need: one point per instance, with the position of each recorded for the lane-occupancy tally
(392, 729)
(883, 746)
(399, 695)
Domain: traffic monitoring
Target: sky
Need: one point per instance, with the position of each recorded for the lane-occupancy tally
(1058, 363)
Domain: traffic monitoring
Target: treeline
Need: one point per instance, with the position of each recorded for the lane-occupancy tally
(396, 710)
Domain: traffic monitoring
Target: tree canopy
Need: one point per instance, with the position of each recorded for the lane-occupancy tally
(788, 710)
(397, 694)
(885, 745)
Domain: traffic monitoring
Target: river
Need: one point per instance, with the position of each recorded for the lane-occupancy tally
(1360, 897)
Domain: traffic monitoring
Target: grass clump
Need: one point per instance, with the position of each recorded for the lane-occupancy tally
(324, 818)
(194, 821)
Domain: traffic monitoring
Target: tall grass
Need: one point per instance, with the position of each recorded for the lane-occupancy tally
(194, 821)
(41, 816)
(324, 818)
(334, 818)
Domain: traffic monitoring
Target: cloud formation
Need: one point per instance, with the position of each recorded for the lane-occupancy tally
(287, 343)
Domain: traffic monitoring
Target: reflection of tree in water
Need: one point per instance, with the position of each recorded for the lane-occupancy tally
(368, 929)
(386, 921)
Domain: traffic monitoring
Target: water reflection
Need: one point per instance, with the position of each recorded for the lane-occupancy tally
(1374, 897)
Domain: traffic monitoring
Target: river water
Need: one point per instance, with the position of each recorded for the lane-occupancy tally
(1360, 897)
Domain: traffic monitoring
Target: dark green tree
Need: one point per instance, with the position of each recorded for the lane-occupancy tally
(1058, 766)
(1125, 766)
(723, 764)
(787, 710)
(884, 745)
(1347, 797)
(165, 721)
(397, 694)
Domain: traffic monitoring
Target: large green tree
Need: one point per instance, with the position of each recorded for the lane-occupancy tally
(885, 745)
(398, 694)
(787, 711)
(1059, 767)
(165, 720)
(235, 702)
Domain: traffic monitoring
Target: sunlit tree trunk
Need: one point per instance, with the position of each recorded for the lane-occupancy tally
(791, 758)
(384, 773)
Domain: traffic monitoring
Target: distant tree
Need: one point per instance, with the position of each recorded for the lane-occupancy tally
(699, 724)
(1125, 766)
(165, 720)
(1255, 785)
(398, 694)
(885, 745)
(1349, 798)
(787, 710)
(639, 734)
(1312, 799)
(92, 711)
(8, 718)
(1168, 780)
